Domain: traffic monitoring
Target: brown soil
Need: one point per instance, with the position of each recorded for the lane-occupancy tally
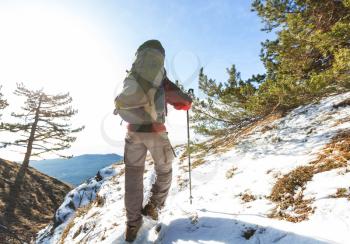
(38, 198)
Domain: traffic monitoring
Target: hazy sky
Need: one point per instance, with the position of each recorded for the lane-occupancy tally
(84, 47)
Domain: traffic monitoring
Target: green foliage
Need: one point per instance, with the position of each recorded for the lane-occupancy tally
(346, 3)
(44, 125)
(3, 102)
(223, 105)
(309, 59)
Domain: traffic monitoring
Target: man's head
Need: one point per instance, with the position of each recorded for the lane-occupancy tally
(152, 44)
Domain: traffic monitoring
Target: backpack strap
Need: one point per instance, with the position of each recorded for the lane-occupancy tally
(144, 84)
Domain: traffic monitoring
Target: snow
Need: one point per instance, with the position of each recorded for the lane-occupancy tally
(78, 197)
(218, 214)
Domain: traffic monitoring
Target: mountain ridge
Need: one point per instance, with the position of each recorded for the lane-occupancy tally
(283, 181)
(76, 169)
(38, 198)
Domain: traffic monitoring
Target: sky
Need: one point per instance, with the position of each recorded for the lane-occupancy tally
(85, 47)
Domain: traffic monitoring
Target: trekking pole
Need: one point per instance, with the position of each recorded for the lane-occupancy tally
(190, 91)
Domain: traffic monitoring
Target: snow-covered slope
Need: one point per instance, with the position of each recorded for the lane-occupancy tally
(231, 190)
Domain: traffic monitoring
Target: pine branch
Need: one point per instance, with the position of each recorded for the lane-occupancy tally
(42, 124)
(3, 102)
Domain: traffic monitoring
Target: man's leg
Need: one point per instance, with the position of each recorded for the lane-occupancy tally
(162, 154)
(134, 159)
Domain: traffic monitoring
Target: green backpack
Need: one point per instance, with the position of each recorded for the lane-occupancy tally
(142, 99)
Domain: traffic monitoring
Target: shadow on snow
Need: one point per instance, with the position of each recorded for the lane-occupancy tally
(224, 230)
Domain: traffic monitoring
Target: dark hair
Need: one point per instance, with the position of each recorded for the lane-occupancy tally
(152, 44)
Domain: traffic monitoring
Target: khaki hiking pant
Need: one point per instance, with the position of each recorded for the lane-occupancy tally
(136, 146)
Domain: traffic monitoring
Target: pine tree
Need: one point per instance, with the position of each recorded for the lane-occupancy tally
(3, 102)
(3, 105)
(310, 57)
(224, 106)
(43, 126)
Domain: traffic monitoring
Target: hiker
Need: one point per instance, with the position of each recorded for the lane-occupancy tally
(143, 104)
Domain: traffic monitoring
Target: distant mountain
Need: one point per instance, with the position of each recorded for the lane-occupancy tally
(77, 169)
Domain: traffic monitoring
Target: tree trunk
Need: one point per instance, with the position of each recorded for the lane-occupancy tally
(25, 162)
(16, 187)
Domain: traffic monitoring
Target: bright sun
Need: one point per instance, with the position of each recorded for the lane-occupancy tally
(52, 49)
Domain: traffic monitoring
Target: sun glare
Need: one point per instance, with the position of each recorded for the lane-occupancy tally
(60, 52)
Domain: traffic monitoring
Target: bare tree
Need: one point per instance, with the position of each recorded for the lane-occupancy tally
(43, 125)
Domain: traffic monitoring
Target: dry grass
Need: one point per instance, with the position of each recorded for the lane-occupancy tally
(265, 123)
(121, 172)
(268, 128)
(285, 187)
(221, 144)
(104, 235)
(197, 150)
(97, 202)
(276, 139)
(38, 198)
(121, 168)
(100, 201)
(335, 155)
(287, 193)
(230, 173)
(182, 183)
(247, 197)
(342, 193)
(78, 232)
(66, 230)
(342, 121)
(80, 212)
(198, 162)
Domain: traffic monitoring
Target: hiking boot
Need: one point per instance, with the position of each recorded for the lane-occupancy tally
(131, 232)
(150, 210)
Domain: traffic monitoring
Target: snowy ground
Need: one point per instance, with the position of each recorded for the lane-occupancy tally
(218, 214)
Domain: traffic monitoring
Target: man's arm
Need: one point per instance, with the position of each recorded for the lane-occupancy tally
(176, 97)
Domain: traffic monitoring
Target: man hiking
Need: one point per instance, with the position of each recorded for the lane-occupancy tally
(143, 104)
